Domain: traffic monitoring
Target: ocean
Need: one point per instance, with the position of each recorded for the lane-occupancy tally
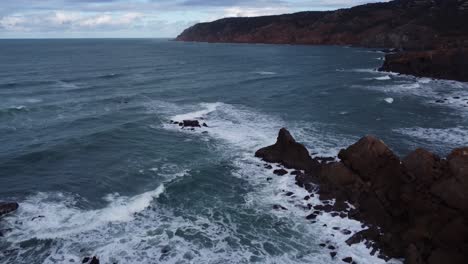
(88, 151)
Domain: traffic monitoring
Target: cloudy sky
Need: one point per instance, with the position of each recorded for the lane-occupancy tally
(136, 18)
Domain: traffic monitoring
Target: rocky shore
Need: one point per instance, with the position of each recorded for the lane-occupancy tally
(436, 28)
(415, 208)
(440, 64)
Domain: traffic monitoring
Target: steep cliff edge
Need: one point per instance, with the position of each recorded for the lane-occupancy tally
(411, 25)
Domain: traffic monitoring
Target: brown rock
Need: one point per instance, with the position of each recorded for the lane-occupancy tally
(445, 256)
(373, 161)
(8, 207)
(287, 152)
(458, 163)
(453, 234)
(424, 166)
(337, 174)
(413, 256)
(452, 193)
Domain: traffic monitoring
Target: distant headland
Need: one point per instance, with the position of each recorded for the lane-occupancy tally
(429, 37)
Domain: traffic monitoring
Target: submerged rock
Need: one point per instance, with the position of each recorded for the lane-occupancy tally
(8, 207)
(191, 123)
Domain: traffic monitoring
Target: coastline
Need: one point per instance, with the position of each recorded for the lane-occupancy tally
(419, 37)
(412, 208)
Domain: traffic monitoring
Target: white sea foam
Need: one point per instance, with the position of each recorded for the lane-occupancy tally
(244, 131)
(33, 100)
(207, 108)
(266, 73)
(58, 217)
(389, 100)
(383, 78)
(448, 137)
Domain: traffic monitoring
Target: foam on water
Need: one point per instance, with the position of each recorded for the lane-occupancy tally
(265, 73)
(207, 108)
(55, 215)
(446, 93)
(389, 100)
(383, 78)
(447, 137)
(241, 130)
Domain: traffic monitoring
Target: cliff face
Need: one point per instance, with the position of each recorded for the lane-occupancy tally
(440, 64)
(405, 24)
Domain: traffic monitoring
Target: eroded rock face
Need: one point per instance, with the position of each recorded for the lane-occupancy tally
(287, 152)
(8, 207)
(420, 204)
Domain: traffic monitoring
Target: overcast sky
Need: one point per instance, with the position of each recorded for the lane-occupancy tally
(136, 18)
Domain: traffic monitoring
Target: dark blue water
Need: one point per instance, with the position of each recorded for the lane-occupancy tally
(87, 150)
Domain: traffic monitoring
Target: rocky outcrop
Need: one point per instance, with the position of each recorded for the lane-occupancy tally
(287, 152)
(8, 207)
(415, 208)
(441, 64)
(189, 123)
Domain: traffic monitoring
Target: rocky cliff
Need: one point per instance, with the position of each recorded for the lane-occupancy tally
(411, 25)
(406, 24)
(415, 208)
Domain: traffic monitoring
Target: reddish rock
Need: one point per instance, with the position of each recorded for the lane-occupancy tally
(452, 192)
(458, 163)
(424, 166)
(337, 174)
(417, 209)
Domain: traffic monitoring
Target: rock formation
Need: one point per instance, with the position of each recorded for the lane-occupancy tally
(411, 25)
(287, 152)
(441, 64)
(416, 208)
(7, 207)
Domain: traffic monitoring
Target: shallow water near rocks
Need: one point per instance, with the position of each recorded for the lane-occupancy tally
(88, 152)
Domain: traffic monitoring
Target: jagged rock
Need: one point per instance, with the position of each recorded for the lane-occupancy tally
(287, 152)
(373, 161)
(348, 259)
(8, 207)
(337, 174)
(417, 208)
